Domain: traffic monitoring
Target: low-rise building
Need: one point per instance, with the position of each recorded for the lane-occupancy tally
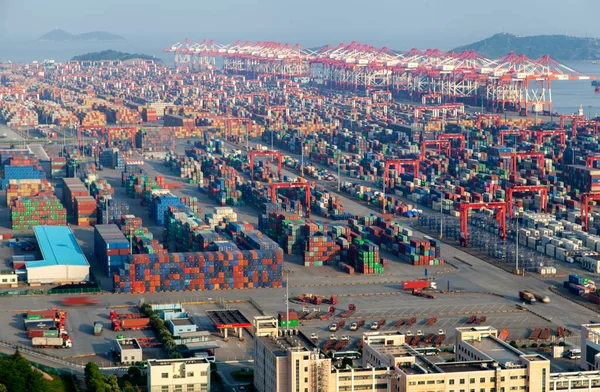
(178, 375)
(130, 351)
(177, 326)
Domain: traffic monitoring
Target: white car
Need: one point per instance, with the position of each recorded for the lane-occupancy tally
(345, 337)
(441, 332)
(332, 337)
(314, 336)
(419, 333)
(409, 334)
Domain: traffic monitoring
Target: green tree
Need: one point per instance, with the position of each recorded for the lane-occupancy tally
(113, 381)
(17, 375)
(134, 372)
(3, 388)
(346, 362)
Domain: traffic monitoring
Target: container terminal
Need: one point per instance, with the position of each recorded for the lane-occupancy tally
(426, 201)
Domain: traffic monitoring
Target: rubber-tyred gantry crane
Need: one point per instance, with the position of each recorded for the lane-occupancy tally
(589, 124)
(585, 208)
(589, 161)
(551, 133)
(525, 134)
(401, 163)
(453, 136)
(500, 216)
(538, 155)
(438, 143)
(283, 185)
(274, 154)
(108, 133)
(526, 188)
(572, 117)
(495, 119)
(81, 128)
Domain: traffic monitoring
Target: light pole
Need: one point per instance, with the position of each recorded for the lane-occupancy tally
(517, 245)
(338, 167)
(441, 216)
(287, 300)
(302, 159)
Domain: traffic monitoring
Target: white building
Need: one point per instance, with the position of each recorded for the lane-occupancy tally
(178, 375)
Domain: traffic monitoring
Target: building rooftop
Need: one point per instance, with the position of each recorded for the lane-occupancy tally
(457, 367)
(169, 362)
(128, 344)
(58, 247)
(228, 319)
(496, 350)
(181, 321)
(280, 345)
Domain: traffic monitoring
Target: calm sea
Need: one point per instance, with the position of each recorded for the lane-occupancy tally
(568, 96)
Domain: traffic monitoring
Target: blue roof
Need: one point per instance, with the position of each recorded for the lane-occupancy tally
(58, 246)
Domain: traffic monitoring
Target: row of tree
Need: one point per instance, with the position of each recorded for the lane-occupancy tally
(97, 382)
(17, 375)
(161, 330)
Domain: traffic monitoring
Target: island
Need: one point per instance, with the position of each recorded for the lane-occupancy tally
(58, 35)
(559, 47)
(113, 55)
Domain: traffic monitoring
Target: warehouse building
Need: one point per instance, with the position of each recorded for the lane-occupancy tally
(62, 258)
(178, 375)
(130, 351)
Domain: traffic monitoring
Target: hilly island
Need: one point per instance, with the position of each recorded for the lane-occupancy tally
(59, 35)
(559, 47)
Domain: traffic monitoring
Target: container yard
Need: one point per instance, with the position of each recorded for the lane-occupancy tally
(373, 211)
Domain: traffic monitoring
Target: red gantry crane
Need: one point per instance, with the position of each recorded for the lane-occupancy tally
(283, 185)
(525, 134)
(500, 208)
(451, 136)
(551, 133)
(438, 143)
(589, 162)
(572, 117)
(585, 208)
(494, 119)
(274, 154)
(519, 189)
(586, 124)
(396, 163)
(538, 155)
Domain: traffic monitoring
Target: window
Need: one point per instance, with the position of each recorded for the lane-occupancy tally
(482, 379)
(421, 383)
(165, 388)
(472, 381)
(305, 389)
(306, 369)
(462, 381)
(125, 358)
(164, 375)
(190, 388)
(305, 379)
(190, 374)
(514, 377)
(451, 382)
(204, 373)
(4, 280)
(431, 382)
(178, 388)
(481, 389)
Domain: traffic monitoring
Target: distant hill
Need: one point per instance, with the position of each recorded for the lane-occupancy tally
(113, 55)
(61, 35)
(559, 47)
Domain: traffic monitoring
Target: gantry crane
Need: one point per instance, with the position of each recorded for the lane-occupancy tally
(589, 124)
(438, 144)
(450, 136)
(522, 132)
(552, 133)
(572, 117)
(495, 119)
(81, 128)
(537, 155)
(526, 188)
(585, 208)
(397, 162)
(282, 185)
(589, 162)
(500, 208)
(107, 134)
(274, 154)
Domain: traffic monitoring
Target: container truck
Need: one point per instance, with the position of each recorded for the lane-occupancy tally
(542, 298)
(44, 333)
(419, 285)
(45, 314)
(356, 326)
(527, 296)
(58, 342)
(98, 326)
(80, 301)
(130, 324)
(39, 324)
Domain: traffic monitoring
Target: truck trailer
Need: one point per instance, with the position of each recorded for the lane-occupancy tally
(527, 296)
(48, 342)
(130, 324)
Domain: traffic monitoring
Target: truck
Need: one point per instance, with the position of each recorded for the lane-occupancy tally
(130, 324)
(542, 298)
(423, 294)
(114, 315)
(45, 314)
(80, 301)
(39, 324)
(58, 342)
(356, 326)
(375, 325)
(44, 333)
(419, 285)
(98, 326)
(335, 326)
(527, 296)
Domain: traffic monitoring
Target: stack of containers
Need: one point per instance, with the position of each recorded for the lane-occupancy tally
(222, 215)
(109, 210)
(254, 239)
(27, 212)
(154, 139)
(159, 206)
(16, 188)
(58, 167)
(320, 250)
(108, 158)
(364, 255)
(110, 247)
(191, 203)
(72, 187)
(185, 167)
(577, 284)
(100, 188)
(22, 173)
(219, 270)
(85, 210)
(201, 239)
(179, 226)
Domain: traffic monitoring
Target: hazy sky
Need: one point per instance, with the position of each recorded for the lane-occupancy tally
(397, 24)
